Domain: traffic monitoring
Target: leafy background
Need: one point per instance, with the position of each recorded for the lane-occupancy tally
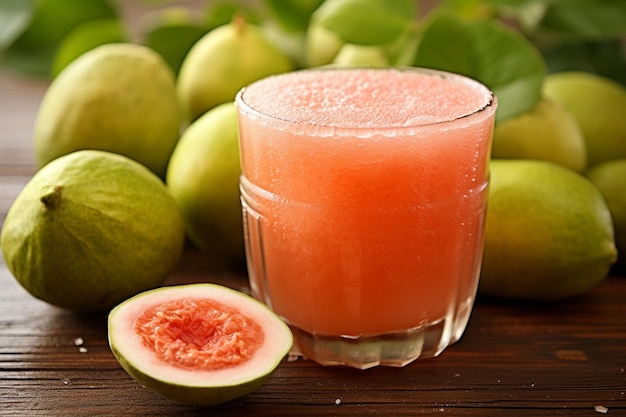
(510, 45)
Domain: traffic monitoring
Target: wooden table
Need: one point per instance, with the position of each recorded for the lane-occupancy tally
(566, 358)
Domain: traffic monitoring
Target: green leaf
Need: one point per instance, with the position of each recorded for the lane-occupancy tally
(468, 8)
(499, 57)
(174, 42)
(367, 22)
(585, 19)
(606, 58)
(292, 15)
(34, 50)
(84, 38)
(528, 13)
(589, 20)
(222, 12)
(172, 31)
(15, 15)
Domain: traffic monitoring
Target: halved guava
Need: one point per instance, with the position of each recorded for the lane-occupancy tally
(199, 344)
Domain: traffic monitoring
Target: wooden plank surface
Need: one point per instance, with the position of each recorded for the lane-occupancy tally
(566, 358)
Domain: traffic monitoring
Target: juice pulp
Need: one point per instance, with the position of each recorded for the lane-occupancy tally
(365, 194)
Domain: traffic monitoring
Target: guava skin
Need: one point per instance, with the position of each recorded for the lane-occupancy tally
(91, 229)
(224, 61)
(549, 132)
(351, 55)
(548, 233)
(203, 177)
(197, 386)
(599, 105)
(321, 45)
(118, 98)
(198, 396)
(610, 178)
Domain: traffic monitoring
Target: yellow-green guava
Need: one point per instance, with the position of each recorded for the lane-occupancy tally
(548, 232)
(91, 229)
(351, 55)
(118, 97)
(610, 178)
(321, 45)
(599, 106)
(222, 62)
(548, 132)
(203, 178)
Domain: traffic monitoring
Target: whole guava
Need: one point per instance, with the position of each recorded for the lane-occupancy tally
(222, 62)
(91, 229)
(321, 45)
(203, 177)
(548, 233)
(351, 55)
(610, 178)
(118, 97)
(599, 105)
(548, 132)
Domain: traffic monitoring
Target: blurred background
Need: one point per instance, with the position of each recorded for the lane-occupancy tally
(39, 37)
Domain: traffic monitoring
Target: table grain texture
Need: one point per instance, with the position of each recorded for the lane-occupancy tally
(560, 359)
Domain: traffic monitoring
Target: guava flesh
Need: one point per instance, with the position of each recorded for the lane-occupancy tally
(200, 334)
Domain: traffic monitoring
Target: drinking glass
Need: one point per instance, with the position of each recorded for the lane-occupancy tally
(364, 194)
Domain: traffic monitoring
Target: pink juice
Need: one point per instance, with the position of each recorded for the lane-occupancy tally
(364, 196)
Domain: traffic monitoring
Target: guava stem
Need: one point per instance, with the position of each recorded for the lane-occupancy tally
(52, 198)
(240, 23)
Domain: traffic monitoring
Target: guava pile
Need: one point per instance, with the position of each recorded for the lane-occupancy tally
(129, 168)
(165, 97)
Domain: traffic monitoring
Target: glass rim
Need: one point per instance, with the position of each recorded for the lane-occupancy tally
(313, 128)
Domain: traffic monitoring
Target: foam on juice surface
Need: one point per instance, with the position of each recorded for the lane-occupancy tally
(367, 98)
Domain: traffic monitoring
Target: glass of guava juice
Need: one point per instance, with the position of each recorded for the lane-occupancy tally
(364, 194)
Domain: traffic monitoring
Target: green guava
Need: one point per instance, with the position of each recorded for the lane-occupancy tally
(351, 55)
(91, 229)
(548, 132)
(610, 178)
(118, 97)
(222, 62)
(198, 344)
(599, 106)
(548, 232)
(321, 45)
(203, 177)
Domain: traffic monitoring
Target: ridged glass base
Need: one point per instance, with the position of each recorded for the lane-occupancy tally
(390, 349)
